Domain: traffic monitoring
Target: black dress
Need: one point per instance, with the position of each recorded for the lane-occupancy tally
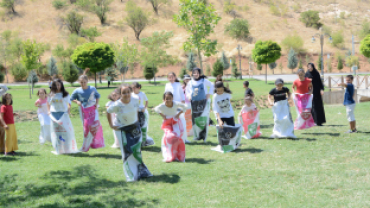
(318, 112)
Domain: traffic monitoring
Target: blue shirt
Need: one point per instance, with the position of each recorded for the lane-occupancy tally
(86, 97)
(348, 95)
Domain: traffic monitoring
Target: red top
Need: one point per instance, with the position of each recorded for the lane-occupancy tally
(302, 86)
(8, 114)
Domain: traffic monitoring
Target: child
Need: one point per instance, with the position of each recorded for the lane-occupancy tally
(128, 130)
(350, 103)
(302, 85)
(249, 118)
(59, 108)
(3, 90)
(42, 114)
(283, 127)
(143, 113)
(173, 146)
(221, 105)
(248, 91)
(189, 125)
(7, 120)
(113, 97)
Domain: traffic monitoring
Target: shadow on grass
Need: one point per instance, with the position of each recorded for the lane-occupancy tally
(250, 150)
(333, 125)
(76, 188)
(25, 154)
(269, 126)
(198, 160)
(323, 134)
(363, 132)
(24, 141)
(200, 142)
(151, 149)
(101, 155)
(9, 158)
(165, 178)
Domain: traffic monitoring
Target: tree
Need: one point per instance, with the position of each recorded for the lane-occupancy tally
(281, 67)
(329, 64)
(183, 71)
(272, 66)
(70, 72)
(300, 64)
(234, 69)
(311, 19)
(199, 20)
(259, 67)
(2, 77)
(238, 29)
(96, 56)
(111, 73)
(32, 79)
(10, 4)
(365, 29)
(218, 68)
(292, 60)
(225, 61)
(365, 46)
(191, 63)
(91, 33)
(293, 41)
(73, 21)
(98, 7)
(136, 18)
(229, 6)
(154, 50)
(16, 49)
(208, 70)
(51, 67)
(6, 39)
(319, 63)
(340, 63)
(30, 59)
(158, 3)
(125, 54)
(19, 72)
(266, 52)
(149, 71)
(338, 39)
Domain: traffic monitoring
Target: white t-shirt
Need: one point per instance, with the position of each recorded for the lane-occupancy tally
(222, 105)
(170, 112)
(126, 114)
(177, 91)
(142, 98)
(58, 103)
(208, 87)
(113, 115)
(246, 109)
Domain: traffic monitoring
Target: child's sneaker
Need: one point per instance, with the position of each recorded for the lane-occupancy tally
(354, 131)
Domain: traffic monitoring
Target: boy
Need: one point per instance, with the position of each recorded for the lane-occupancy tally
(349, 102)
(279, 93)
(248, 91)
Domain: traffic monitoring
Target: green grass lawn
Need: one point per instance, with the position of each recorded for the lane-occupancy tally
(322, 168)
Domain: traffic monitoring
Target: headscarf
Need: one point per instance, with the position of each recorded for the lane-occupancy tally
(316, 78)
(201, 76)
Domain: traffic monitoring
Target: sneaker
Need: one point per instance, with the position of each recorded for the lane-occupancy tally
(354, 131)
(351, 131)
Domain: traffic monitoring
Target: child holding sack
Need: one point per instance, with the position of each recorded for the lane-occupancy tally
(44, 118)
(249, 118)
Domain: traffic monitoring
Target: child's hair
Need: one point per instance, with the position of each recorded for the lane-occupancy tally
(42, 89)
(220, 84)
(218, 78)
(3, 99)
(54, 87)
(167, 93)
(250, 98)
(173, 74)
(136, 85)
(300, 70)
(110, 96)
(83, 77)
(124, 85)
(246, 83)
(350, 76)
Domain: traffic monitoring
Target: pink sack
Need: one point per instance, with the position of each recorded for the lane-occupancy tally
(93, 131)
(303, 105)
(251, 124)
(173, 146)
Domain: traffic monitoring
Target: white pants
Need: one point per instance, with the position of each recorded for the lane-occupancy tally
(350, 109)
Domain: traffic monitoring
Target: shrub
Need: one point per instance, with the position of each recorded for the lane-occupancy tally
(208, 70)
(218, 68)
(281, 67)
(319, 66)
(58, 4)
(183, 71)
(70, 72)
(19, 72)
(342, 15)
(293, 41)
(238, 29)
(292, 60)
(365, 46)
(191, 64)
(225, 61)
(300, 64)
(229, 6)
(272, 66)
(340, 63)
(149, 72)
(338, 39)
(2, 77)
(297, 7)
(326, 29)
(365, 29)
(91, 33)
(73, 21)
(311, 19)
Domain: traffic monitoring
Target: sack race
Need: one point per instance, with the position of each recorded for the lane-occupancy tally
(228, 138)
(144, 124)
(283, 123)
(44, 119)
(62, 134)
(130, 140)
(303, 105)
(251, 124)
(173, 146)
(189, 125)
(200, 118)
(116, 143)
(93, 131)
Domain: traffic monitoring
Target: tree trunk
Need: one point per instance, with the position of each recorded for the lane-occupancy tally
(155, 10)
(266, 75)
(95, 80)
(200, 61)
(137, 35)
(13, 9)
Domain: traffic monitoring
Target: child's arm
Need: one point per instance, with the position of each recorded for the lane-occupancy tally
(289, 95)
(146, 105)
(109, 117)
(220, 122)
(293, 88)
(69, 109)
(37, 104)
(157, 110)
(97, 103)
(310, 89)
(342, 85)
(2, 121)
(270, 97)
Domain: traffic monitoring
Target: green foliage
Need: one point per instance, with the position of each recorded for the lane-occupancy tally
(272, 65)
(326, 30)
(281, 67)
(69, 72)
(19, 72)
(229, 6)
(365, 29)
(293, 41)
(149, 71)
(292, 60)
(96, 56)
(183, 71)
(16, 49)
(259, 67)
(342, 15)
(340, 63)
(73, 21)
(137, 19)
(75, 40)
(218, 68)
(329, 64)
(61, 53)
(58, 4)
(320, 63)
(234, 69)
(338, 39)
(311, 19)
(99, 7)
(191, 63)
(300, 64)
(297, 7)
(111, 74)
(2, 77)
(208, 70)
(51, 67)
(9, 5)
(32, 78)
(91, 33)
(225, 61)
(353, 61)
(238, 29)
(266, 52)
(31, 55)
(365, 46)
(308, 59)
(125, 54)
(156, 4)
(199, 20)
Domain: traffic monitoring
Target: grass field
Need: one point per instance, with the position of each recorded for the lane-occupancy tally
(322, 168)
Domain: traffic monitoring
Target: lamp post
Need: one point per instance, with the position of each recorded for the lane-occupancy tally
(240, 60)
(321, 35)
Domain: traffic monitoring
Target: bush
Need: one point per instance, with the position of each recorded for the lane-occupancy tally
(91, 33)
(259, 67)
(326, 29)
(218, 68)
(208, 70)
(73, 21)
(340, 63)
(238, 29)
(70, 72)
(297, 7)
(365, 46)
(19, 72)
(294, 42)
(191, 64)
(58, 4)
(225, 61)
(272, 66)
(338, 39)
(149, 72)
(2, 77)
(183, 71)
(292, 60)
(234, 69)
(365, 29)
(311, 19)
(342, 15)
(229, 6)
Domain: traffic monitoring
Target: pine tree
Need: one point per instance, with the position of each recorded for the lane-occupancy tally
(51, 67)
(272, 66)
(149, 72)
(300, 64)
(70, 72)
(292, 60)
(234, 70)
(208, 70)
(218, 68)
(340, 63)
(32, 79)
(183, 71)
(191, 64)
(225, 61)
(319, 67)
(281, 67)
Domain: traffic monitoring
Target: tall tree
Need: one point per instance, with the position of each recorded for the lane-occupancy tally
(30, 59)
(234, 69)
(73, 21)
(6, 39)
(199, 20)
(272, 66)
(9, 4)
(365, 46)
(218, 68)
(158, 3)
(191, 63)
(125, 54)
(292, 60)
(96, 56)
(136, 18)
(225, 61)
(51, 67)
(340, 63)
(98, 7)
(266, 52)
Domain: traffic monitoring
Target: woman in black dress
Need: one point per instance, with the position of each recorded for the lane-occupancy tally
(317, 110)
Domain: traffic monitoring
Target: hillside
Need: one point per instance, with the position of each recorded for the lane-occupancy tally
(36, 19)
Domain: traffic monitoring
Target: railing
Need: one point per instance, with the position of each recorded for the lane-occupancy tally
(360, 82)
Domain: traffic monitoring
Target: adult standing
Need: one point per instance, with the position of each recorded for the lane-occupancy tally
(3, 90)
(318, 112)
